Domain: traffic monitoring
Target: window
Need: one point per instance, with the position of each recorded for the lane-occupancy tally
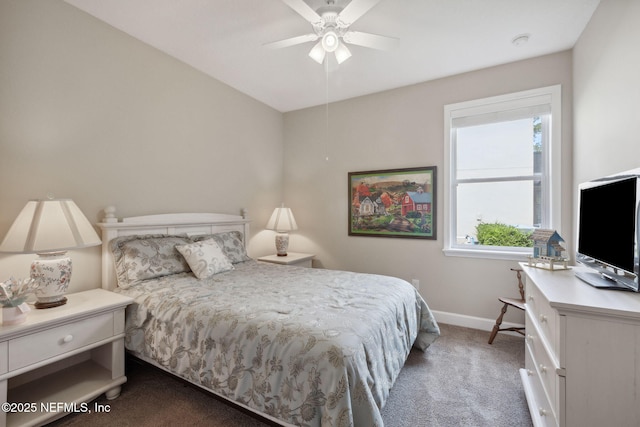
(502, 180)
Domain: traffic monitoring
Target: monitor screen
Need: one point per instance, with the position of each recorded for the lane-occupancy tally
(607, 223)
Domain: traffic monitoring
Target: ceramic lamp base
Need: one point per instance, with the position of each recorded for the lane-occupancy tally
(282, 244)
(52, 272)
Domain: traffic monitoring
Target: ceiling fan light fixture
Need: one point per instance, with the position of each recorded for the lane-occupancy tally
(330, 41)
(331, 29)
(318, 53)
(342, 53)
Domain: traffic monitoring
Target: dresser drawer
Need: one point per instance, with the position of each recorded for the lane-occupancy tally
(30, 349)
(544, 316)
(542, 363)
(542, 412)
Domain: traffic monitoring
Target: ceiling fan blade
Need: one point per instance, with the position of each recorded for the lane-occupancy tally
(304, 10)
(291, 41)
(355, 10)
(372, 41)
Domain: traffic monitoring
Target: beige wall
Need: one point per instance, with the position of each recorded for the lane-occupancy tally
(89, 113)
(607, 92)
(405, 128)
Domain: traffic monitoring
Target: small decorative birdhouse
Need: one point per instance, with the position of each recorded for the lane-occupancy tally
(548, 249)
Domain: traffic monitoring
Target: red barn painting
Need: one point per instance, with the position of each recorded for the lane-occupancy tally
(416, 201)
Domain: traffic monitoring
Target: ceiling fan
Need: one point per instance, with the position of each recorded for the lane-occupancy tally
(331, 25)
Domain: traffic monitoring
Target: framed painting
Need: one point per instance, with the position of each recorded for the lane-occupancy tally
(393, 203)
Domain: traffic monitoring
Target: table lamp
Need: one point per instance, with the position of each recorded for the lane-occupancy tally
(50, 228)
(282, 221)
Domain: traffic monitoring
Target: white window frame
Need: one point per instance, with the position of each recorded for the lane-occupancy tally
(481, 111)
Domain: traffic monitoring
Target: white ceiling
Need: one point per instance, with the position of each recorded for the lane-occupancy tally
(438, 38)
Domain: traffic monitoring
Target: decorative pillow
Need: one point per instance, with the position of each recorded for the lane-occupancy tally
(231, 243)
(138, 258)
(205, 258)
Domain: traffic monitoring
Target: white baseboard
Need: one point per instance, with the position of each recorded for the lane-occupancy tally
(473, 322)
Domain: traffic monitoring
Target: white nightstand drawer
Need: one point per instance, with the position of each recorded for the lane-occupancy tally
(4, 356)
(30, 349)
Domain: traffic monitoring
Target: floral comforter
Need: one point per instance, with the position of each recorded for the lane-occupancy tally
(310, 347)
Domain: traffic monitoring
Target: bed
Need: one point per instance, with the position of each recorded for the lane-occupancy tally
(298, 346)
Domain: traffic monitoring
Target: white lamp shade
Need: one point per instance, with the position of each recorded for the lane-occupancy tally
(49, 226)
(342, 53)
(282, 220)
(318, 53)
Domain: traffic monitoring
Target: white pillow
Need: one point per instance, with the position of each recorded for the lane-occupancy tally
(205, 258)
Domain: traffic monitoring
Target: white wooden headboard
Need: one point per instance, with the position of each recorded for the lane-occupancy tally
(179, 223)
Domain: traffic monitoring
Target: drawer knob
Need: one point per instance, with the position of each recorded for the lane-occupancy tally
(542, 412)
(543, 368)
(529, 372)
(530, 337)
(543, 318)
(67, 339)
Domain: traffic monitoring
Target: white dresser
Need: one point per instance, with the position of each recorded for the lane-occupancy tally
(582, 363)
(61, 358)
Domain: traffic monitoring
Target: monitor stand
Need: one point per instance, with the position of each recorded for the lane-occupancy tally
(600, 281)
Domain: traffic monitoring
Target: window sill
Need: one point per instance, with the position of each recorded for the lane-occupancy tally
(478, 252)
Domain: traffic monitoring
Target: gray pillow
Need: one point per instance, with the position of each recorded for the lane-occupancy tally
(139, 258)
(231, 243)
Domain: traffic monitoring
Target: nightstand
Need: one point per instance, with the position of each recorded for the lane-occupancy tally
(292, 258)
(61, 357)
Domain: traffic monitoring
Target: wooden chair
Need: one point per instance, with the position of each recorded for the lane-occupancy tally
(513, 302)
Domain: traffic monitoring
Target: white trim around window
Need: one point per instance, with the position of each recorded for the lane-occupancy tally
(545, 100)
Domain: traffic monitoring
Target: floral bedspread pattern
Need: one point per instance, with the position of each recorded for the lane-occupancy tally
(310, 347)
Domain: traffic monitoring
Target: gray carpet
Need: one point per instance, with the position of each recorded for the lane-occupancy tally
(459, 381)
